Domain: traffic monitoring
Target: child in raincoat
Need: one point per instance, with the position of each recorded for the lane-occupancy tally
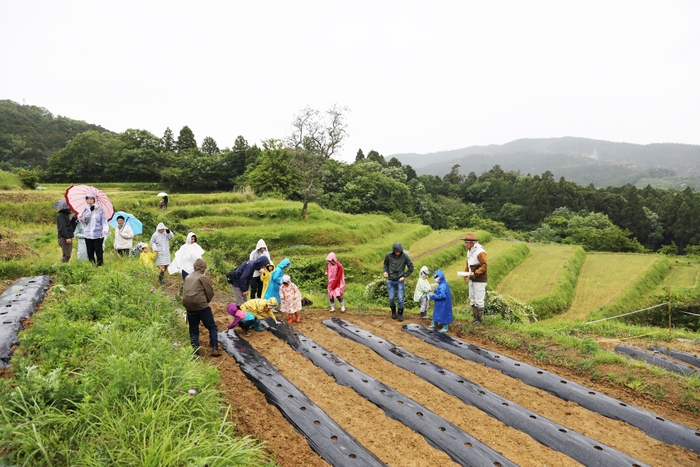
(265, 277)
(273, 290)
(423, 290)
(245, 319)
(147, 256)
(290, 302)
(442, 312)
(258, 307)
(336, 281)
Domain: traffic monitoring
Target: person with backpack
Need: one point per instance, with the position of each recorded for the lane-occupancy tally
(240, 277)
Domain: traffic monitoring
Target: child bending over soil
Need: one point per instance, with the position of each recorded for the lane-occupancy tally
(290, 299)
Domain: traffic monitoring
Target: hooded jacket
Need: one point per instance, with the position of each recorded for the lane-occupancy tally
(198, 289)
(442, 313)
(398, 266)
(423, 288)
(336, 276)
(255, 254)
(273, 290)
(123, 237)
(260, 306)
(65, 224)
(186, 256)
(160, 243)
(95, 223)
(243, 281)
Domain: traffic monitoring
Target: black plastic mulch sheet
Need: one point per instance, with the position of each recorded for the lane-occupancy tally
(18, 302)
(653, 425)
(438, 432)
(335, 445)
(662, 361)
(693, 360)
(586, 450)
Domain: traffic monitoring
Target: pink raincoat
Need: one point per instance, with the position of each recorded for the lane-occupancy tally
(336, 276)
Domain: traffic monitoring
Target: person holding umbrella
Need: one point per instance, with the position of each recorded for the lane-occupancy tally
(164, 195)
(160, 244)
(123, 237)
(95, 220)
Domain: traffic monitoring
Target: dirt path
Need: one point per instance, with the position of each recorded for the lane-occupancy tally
(400, 446)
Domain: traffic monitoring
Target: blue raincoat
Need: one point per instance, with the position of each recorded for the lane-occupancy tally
(442, 313)
(273, 290)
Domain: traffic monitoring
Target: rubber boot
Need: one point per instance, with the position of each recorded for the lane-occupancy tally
(479, 315)
(332, 307)
(291, 319)
(444, 328)
(475, 314)
(298, 318)
(423, 315)
(161, 278)
(393, 313)
(400, 314)
(433, 325)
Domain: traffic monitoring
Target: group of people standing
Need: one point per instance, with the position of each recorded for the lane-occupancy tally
(398, 266)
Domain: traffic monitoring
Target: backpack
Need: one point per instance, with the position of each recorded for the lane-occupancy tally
(234, 274)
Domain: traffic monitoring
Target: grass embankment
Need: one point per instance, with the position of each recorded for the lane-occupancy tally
(603, 276)
(587, 350)
(683, 275)
(98, 380)
(547, 279)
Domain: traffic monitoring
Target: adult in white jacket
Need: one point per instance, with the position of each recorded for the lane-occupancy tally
(186, 256)
(123, 237)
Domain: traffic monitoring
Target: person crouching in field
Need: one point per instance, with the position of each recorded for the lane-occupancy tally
(336, 281)
(442, 312)
(423, 290)
(197, 292)
(245, 319)
(290, 299)
(260, 306)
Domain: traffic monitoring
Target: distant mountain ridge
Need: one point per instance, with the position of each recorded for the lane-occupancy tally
(582, 160)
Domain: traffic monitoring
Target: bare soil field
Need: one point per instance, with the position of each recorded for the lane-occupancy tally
(398, 445)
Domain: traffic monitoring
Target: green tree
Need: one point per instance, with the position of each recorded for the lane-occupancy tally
(168, 140)
(186, 140)
(376, 157)
(273, 175)
(209, 146)
(360, 156)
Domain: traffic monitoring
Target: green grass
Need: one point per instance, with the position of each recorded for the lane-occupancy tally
(683, 274)
(538, 274)
(9, 180)
(604, 276)
(98, 381)
(435, 241)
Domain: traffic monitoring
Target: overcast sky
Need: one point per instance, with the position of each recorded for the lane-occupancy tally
(417, 76)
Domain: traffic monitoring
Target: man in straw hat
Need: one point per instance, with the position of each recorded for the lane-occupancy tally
(476, 275)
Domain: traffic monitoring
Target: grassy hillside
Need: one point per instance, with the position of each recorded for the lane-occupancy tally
(9, 180)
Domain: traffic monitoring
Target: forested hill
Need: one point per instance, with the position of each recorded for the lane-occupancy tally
(581, 160)
(30, 134)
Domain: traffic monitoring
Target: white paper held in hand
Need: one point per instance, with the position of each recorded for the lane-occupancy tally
(463, 273)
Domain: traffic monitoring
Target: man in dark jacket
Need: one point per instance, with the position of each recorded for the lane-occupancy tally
(197, 292)
(65, 223)
(246, 271)
(397, 267)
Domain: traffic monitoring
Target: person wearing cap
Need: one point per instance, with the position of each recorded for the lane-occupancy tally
(65, 223)
(96, 229)
(123, 237)
(197, 292)
(160, 244)
(442, 312)
(397, 267)
(290, 299)
(476, 267)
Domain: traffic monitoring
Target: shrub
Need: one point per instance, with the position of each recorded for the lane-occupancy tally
(509, 309)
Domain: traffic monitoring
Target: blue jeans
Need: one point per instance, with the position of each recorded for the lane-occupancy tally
(393, 287)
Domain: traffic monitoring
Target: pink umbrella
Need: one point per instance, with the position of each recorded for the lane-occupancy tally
(76, 194)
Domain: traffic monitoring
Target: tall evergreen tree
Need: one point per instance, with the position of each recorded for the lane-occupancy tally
(209, 146)
(360, 155)
(168, 141)
(186, 140)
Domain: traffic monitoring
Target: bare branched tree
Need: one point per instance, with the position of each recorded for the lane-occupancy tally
(316, 137)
